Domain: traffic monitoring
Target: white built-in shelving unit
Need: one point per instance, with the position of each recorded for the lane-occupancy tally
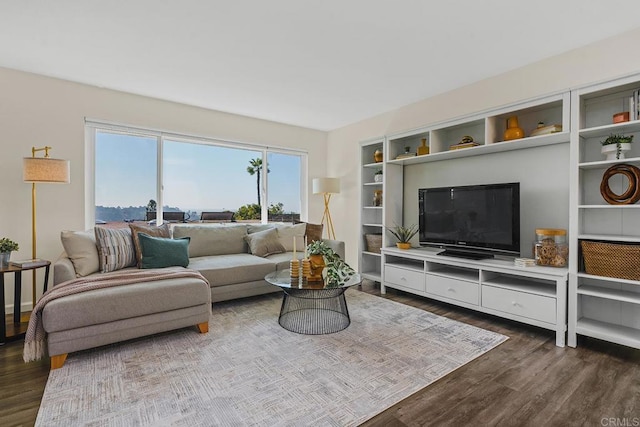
(606, 308)
(371, 217)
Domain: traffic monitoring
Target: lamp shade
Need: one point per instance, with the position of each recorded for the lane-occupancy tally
(326, 185)
(39, 169)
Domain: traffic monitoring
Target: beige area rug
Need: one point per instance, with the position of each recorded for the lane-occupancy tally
(249, 371)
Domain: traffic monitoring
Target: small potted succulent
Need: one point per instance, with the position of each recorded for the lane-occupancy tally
(6, 247)
(615, 145)
(377, 177)
(403, 234)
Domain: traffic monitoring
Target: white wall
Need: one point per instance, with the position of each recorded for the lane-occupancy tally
(600, 61)
(38, 111)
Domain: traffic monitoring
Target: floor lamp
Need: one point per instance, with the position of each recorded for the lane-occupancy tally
(41, 170)
(327, 187)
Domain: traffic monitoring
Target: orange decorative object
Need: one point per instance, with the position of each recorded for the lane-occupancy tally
(514, 131)
(317, 265)
(423, 149)
(377, 156)
(621, 117)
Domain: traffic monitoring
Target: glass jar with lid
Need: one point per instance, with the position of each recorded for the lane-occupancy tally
(550, 247)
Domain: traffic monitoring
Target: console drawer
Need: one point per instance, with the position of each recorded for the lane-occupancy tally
(455, 289)
(404, 277)
(523, 304)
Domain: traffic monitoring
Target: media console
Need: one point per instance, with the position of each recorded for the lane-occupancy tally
(532, 295)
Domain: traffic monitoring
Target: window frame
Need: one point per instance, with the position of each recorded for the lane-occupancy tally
(92, 127)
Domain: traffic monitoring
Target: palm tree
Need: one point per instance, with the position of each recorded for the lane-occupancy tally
(255, 168)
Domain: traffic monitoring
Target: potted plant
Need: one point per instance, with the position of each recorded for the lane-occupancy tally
(615, 145)
(377, 177)
(6, 247)
(403, 234)
(321, 256)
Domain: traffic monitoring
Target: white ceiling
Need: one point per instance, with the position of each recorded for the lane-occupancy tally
(320, 64)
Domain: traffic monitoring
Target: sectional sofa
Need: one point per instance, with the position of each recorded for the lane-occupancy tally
(233, 258)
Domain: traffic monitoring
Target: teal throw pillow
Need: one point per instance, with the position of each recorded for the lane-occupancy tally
(159, 252)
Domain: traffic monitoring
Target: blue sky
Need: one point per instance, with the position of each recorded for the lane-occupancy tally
(196, 176)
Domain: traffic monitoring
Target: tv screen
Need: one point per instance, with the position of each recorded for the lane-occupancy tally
(475, 221)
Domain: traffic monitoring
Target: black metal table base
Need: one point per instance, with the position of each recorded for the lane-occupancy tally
(314, 311)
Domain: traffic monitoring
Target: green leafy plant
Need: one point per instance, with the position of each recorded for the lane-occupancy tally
(378, 172)
(617, 139)
(402, 233)
(8, 245)
(337, 270)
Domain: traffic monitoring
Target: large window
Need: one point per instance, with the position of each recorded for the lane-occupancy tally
(155, 177)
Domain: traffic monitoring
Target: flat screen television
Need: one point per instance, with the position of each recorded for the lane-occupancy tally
(473, 221)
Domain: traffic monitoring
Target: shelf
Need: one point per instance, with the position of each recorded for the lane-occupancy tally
(606, 130)
(371, 275)
(456, 273)
(372, 183)
(608, 206)
(611, 294)
(409, 265)
(372, 225)
(608, 279)
(609, 237)
(603, 164)
(609, 332)
(371, 253)
(373, 165)
(520, 144)
(522, 284)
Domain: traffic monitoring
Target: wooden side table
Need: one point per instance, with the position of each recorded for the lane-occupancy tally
(17, 297)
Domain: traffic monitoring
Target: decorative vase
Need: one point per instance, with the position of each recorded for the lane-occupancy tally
(377, 198)
(514, 131)
(403, 245)
(377, 156)
(4, 260)
(317, 265)
(377, 177)
(423, 149)
(613, 153)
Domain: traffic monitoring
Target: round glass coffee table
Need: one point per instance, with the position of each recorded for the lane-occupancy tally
(312, 308)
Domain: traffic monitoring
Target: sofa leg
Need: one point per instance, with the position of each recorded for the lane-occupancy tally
(58, 361)
(203, 327)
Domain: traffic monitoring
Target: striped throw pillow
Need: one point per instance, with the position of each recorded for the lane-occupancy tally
(115, 248)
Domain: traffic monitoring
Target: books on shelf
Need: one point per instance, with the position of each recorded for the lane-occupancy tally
(459, 146)
(26, 263)
(524, 262)
(546, 130)
(634, 107)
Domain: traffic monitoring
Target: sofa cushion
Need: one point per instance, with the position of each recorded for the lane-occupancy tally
(160, 252)
(150, 230)
(282, 260)
(213, 239)
(123, 302)
(287, 232)
(264, 243)
(229, 269)
(81, 249)
(115, 248)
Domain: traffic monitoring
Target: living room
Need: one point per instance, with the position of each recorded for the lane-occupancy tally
(40, 108)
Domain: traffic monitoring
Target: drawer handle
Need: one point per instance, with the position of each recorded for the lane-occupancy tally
(450, 289)
(516, 304)
(403, 278)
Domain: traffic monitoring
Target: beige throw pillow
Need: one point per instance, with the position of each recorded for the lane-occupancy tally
(286, 233)
(80, 247)
(264, 243)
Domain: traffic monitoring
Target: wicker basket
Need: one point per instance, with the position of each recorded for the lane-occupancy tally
(374, 242)
(611, 259)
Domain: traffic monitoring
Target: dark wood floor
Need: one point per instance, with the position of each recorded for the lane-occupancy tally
(526, 381)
